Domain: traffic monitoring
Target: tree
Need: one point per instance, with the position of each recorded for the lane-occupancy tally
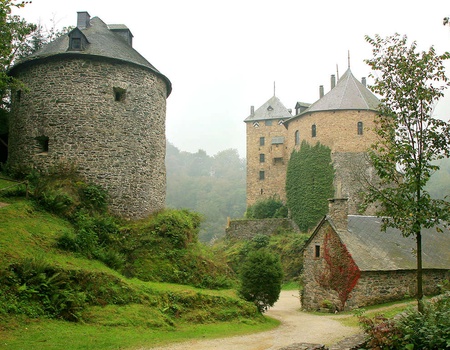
(14, 32)
(410, 139)
(261, 278)
(309, 184)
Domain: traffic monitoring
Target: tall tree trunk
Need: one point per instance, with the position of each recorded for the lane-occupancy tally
(419, 271)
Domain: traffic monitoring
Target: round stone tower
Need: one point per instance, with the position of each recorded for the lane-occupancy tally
(93, 101)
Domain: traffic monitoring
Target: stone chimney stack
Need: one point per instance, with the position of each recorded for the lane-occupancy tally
(321, 91)
(333, 81)
(363, 81)
(338, 212)
(252, 110)
(83, 20)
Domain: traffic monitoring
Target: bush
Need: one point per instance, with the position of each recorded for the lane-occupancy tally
(412, 330)
(266, 209)
(261, 278)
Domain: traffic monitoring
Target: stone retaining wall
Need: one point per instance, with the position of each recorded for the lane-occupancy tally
(247, 229)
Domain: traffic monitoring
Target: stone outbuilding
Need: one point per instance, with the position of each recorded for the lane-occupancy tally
(91, 100)
(349, 260)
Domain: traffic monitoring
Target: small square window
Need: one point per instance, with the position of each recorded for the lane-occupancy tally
(119, 94)
(42, 144)
(76, 44)
(268, 123)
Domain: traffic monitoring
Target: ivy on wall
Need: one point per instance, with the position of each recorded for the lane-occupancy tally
(340, 272)
(309, 184)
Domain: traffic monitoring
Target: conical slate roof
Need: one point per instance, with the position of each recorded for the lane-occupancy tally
(102, 42)
(348, 94)
(272, 109)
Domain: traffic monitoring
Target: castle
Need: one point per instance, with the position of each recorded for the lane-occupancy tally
(94, 101)
(342, 119)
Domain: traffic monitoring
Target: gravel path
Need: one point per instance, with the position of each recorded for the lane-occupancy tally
(296, 327)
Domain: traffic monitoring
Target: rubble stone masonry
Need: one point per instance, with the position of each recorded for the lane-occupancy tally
(104, 116)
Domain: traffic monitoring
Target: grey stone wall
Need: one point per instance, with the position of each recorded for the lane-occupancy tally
(247, 229)
(107, 117)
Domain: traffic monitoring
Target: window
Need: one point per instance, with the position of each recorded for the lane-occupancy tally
(297, 137)
(261, 158)
(76, 44)
(42, 144)
(262, 175)
(278, 160)
(261, 141)
(268, 123)
(119, 94)
(317, 251)
(313, 130)
(360, 128)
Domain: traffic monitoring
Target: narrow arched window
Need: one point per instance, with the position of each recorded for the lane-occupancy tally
(360, 128)
(297, 137)
(313, 130)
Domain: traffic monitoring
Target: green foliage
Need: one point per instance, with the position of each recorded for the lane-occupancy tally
(261, 278)
(213, 186)
(410, 139)
(309, 184)
(413, 330)
(267, 208)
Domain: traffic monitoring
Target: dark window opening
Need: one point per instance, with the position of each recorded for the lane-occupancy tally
(119, 94)
(317, 251)
(313, 130)
(262, 191)
(278, 160)
(268, 123)
(262, 158)
(75, 44)
(360, 128)
(262, 175)
(42, 144)
(297, 137)
(261, 141)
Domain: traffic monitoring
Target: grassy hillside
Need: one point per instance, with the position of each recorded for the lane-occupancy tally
(52, 298)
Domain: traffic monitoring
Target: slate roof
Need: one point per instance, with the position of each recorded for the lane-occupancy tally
(374, 250)
(348, 94)
(272, 109)
(102, 43)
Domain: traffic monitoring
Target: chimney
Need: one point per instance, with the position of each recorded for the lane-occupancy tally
(363, 81)
(321, 91)
(290, 110)
(83, 20)
(333, 81)
(338, 212)
(252, 110)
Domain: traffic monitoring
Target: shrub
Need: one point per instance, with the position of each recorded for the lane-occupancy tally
(266, 209)
(261, 278)
(412, 330)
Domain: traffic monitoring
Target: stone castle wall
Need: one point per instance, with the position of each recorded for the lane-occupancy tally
(105, 116)
(335, 129)
(247, 229)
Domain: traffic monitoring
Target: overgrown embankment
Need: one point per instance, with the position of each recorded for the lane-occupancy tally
(65, 260)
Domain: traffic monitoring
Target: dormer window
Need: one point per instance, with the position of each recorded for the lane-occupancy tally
(77, 40)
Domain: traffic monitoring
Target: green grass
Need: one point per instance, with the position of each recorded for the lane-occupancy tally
(291, 285)
(153, 314)
(389, 310)
(50, 334)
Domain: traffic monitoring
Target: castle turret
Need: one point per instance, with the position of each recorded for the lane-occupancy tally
(94, 102)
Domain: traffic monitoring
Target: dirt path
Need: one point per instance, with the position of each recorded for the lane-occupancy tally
(296, 327)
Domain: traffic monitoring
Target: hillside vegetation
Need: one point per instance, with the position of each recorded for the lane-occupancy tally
(82, 267)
